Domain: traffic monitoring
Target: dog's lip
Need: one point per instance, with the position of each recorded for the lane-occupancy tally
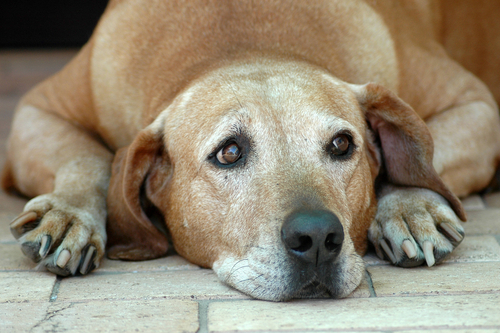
(316, 282)
(313, 289)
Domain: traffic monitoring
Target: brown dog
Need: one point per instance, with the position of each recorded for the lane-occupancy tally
(249, 134)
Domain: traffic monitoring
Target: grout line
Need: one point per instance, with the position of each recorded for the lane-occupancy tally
(8, 242)
(203, 316)
(370, 284)
(55, 289)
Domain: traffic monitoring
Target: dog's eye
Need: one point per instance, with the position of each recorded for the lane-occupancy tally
(229, 154)
(340, 145)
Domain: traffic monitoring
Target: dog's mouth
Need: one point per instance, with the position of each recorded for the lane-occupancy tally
(278, 278)
(314, 289)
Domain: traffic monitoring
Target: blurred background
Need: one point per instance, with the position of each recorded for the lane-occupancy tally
(48, 23)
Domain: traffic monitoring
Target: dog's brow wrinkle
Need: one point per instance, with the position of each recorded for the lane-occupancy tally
(234, 92)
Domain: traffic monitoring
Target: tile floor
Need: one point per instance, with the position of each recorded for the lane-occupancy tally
(172, 295)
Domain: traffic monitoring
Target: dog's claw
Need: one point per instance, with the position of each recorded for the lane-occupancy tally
(63, 258)
(45, 246)
(409, 249)
(428, 249)
(451, 233)
(387, 251)
(87, 263)
(16, 226)
(31, 250)
(379, 253)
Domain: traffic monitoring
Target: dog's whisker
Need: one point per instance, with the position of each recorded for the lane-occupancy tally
(233, 270)
(253, 291)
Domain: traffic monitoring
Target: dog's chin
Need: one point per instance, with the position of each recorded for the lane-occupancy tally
(314, 289)
(317, 289)
(284, 281)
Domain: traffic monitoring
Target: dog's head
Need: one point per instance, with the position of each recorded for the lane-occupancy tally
(265, 172)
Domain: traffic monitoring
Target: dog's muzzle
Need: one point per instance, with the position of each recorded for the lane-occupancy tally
(312, 237)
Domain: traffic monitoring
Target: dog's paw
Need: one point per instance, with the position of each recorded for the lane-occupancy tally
(414, 225)
(64, 239)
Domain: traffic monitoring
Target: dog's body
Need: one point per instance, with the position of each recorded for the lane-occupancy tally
(248, 131)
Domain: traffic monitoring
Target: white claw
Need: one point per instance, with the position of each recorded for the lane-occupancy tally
(86, 261)
(43, 246)
(428, 249)
(63, 258)
(409, 249)
(452, 233)
(388, 251)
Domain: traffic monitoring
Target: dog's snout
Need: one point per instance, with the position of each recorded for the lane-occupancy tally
(314, 236)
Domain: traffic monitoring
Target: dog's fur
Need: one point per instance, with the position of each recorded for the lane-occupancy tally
(130, 131)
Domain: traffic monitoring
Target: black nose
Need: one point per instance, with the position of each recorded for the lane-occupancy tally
(314, 236)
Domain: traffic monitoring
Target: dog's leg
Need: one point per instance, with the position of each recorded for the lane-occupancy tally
(68, 171)
(414, 225)
(466, 146)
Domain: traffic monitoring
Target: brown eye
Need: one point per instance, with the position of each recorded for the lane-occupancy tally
(229, 154)
(340, 144)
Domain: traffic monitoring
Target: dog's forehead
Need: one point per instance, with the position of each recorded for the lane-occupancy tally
(289, 99)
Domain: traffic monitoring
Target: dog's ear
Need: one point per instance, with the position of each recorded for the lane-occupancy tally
(406, 143)
(132, 235)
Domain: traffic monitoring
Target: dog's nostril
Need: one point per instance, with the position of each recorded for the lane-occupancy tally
(313, 236)
(330, 243)
(305, 243)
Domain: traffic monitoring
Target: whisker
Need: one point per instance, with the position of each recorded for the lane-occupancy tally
(236, 263)
(234, 270)
(255, 289)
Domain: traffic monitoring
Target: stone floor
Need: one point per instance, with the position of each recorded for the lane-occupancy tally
(170, 294)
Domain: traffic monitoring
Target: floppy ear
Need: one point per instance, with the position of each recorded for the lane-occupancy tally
(405, 140)
(131, 233)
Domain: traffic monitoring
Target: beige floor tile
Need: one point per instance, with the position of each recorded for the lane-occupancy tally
(372, 259)
(442, 330)
(483, 222)
(12, 259)
(7, 106)
(492, 200)
(121, 316)
(11, 204)
(22, 70)
(363, 290)
(3, 147)
(170, 263)
(473, 202)
(5, 234)
(26, 286)
(472, 249)
(21, 317)
(39, 61)
(18, 84)
(194, 284)
(379, 313)
(438, 280)
(476, 249)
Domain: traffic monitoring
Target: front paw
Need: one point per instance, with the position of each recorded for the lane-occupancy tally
(64, 239)
(413, 225)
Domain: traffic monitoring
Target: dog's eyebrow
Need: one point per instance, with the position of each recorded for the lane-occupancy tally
(231, 124)
(235, 96)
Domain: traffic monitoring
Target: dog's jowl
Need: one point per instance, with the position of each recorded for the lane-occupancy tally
(268, 140)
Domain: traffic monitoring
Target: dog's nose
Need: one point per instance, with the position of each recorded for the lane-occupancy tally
(313, 236)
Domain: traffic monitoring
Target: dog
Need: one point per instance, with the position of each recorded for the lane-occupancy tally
(267, 139)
